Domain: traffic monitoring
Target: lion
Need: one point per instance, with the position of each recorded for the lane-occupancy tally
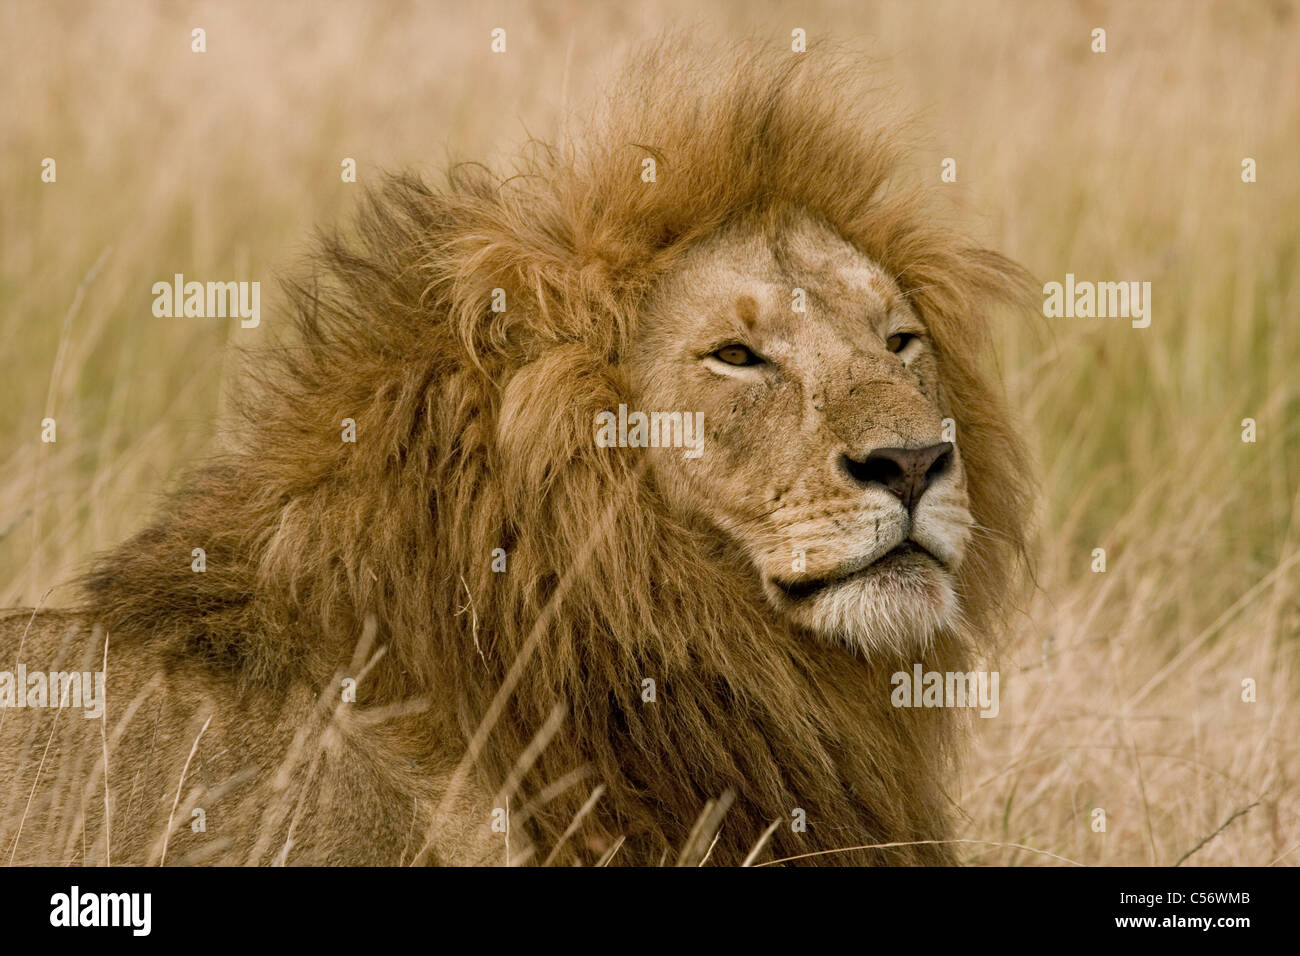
(471, 632)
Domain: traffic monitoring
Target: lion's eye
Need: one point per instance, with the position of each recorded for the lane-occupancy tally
(899, 341)
(737, 355)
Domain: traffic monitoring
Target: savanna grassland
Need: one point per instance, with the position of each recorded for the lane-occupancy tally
(1122, 690)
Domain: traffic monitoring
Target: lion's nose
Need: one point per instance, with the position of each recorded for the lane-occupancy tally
(906, 472)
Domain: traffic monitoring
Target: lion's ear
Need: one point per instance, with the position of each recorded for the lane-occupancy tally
(1000, 278)
(547, 421)
(958, 289)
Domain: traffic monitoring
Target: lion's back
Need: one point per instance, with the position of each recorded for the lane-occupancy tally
(199, 770)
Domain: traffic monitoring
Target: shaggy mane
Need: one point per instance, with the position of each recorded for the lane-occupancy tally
(474, 432)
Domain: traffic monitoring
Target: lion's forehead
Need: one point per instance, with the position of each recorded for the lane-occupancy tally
(780, 282)
(813, 252)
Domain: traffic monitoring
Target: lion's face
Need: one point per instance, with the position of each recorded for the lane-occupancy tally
(824, 456)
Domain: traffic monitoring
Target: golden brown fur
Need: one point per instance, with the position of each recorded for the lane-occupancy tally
(474, 432)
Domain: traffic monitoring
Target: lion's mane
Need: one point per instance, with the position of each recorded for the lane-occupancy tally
(474, 432)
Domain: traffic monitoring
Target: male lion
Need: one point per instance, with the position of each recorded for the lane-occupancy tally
(476, 618)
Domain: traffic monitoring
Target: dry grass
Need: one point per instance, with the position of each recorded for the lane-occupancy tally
(1121, 690)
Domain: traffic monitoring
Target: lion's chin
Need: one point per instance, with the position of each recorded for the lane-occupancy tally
(896, 605)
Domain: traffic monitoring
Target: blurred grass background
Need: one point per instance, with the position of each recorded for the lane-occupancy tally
(1121, 691)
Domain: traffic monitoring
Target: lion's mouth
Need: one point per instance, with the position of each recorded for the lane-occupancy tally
(905, 553)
